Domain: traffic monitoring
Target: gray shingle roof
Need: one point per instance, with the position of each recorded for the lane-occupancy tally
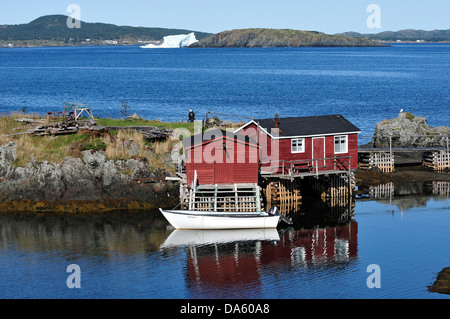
(310, 125)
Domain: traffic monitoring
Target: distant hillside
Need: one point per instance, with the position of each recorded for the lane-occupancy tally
(54, 28)
(281, 38)
(405, 35)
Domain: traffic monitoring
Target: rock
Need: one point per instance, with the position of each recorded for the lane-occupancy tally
(94, 161)
(8, 155)
(90, 178)
(408, 130)
(442, 283)
(134, 149)
(79, 183)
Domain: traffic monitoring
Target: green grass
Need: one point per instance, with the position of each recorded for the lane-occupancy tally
(45, 148)
(144, 122)
(409, 116)
(54, 149)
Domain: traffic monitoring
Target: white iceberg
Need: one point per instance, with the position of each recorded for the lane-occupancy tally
(174, 41)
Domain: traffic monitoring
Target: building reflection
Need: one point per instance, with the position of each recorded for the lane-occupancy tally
(314, 246)
(218, 261)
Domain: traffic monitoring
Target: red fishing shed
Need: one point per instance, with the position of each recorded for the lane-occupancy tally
(221, 157)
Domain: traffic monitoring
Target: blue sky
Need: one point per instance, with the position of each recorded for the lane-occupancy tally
(329, 16)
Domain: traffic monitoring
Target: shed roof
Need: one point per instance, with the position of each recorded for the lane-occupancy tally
(308, 125)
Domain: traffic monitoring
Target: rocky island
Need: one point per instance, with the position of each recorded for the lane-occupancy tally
(408, 130)
(249, 38)
(87, 171)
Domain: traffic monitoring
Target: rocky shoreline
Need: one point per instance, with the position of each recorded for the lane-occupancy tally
(407, 174)
(80, 185)
(90, 181)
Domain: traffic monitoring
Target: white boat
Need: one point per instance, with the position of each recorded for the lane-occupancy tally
(186, 219)
(196, 237)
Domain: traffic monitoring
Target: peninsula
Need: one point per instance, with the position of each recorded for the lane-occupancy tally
(52, 30)
(260, 37)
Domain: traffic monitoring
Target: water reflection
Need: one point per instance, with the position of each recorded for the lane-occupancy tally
(407, 195)
(221, 264)
(95, 234)
(185, 237)
(134, 255)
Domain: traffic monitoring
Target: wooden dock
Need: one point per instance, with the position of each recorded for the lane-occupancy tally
(336, 165)
(383, 160)
(437, 158)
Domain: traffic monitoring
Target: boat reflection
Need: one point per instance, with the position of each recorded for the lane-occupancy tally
(186, 237)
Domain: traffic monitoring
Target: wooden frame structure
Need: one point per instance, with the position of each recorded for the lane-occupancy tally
(438, 160)
(244, 197)
(78, 109)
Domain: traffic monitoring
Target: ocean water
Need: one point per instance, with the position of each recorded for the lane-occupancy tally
(125, 255)
(134, 255)
(366, 85)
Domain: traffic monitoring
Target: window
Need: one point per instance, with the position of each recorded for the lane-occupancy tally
(298, 145)
(340, 144)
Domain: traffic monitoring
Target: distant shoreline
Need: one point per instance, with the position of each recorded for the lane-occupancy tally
(2, 46)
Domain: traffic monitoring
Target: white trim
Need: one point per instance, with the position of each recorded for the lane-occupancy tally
(316, 135)
(303, 146)
(346, 144)
(293, 137)
(246, 124)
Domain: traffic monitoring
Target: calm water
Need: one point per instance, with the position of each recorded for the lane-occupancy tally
(135, 256)
(366, 85)
(325, 255)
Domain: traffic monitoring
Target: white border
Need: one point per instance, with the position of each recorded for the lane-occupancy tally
(346, 144)
(303, 145)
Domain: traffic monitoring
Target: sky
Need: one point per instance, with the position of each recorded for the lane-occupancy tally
(329, 16)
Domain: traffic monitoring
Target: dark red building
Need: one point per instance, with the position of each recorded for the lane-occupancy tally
(221, 157)
(305, 144)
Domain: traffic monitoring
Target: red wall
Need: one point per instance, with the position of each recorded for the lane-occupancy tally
(284, 147)
(241, 165)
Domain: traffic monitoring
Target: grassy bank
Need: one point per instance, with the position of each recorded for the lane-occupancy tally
(145, 122)
(116, 144)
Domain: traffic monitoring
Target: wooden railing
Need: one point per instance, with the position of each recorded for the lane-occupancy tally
(284, 168)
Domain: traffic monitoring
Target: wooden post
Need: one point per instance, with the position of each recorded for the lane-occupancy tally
(317, 169)
(236, 198)
(215, 197)
(258, 199)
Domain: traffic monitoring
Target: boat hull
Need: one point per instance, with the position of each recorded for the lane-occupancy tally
(210, 220)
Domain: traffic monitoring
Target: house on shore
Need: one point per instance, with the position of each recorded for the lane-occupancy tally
(225, 170)
(221, 157)
(304, 146)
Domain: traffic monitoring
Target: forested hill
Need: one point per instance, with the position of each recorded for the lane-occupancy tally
(259, 37)
(405, 35)
(54, 28)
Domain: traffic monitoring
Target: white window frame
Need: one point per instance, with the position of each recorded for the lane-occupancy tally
(302, 149)
(345, 144)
